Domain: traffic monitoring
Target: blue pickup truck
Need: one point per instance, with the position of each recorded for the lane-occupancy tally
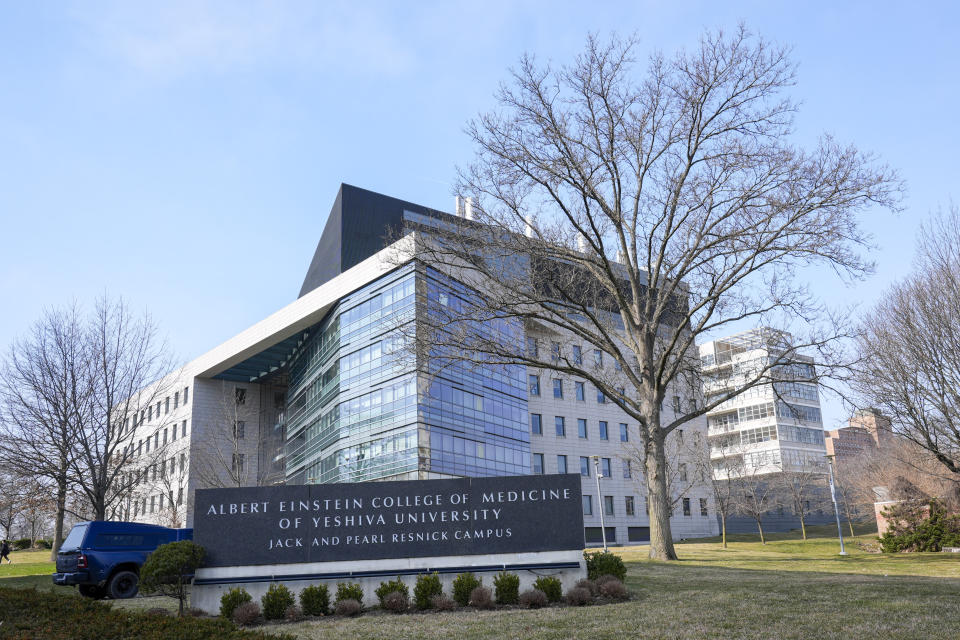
(104, 558)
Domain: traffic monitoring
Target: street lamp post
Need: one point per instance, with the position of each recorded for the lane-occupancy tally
(836, 509)
(603, 526)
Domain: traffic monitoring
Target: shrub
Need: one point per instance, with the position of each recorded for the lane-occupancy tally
(533, 599)
(393, 586)
(396, 601)
(550, 586)
(293, 614)
(604, 579)
(604, 563)
(315, 600)
(193, 612)
(233, 599)
(613, 589)
(157, 611)
(44, 544)
(481, 598)
(589, 585)
(350, 591)
(21, 544)
(463, 586)
(919, 526)
(275, 601)
(246, 614)
(443, 602)
(63, 616)
(168, 570)
(578, 596)
(428, 585)
(348, 607)
(507, 587)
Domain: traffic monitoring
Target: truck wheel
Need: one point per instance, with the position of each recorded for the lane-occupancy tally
(123, 584)
(91, 591)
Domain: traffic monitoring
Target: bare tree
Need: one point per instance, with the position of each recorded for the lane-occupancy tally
(637, 215)
(37, 508)
(10, 499)
(799, 488)
(722, 474)
(43, 393)
(127, 366)
(755, 495)
(911, 346)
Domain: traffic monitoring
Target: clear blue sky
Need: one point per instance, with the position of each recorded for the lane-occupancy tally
(184, 155)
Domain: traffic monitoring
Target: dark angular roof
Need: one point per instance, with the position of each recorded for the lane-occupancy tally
(360, 224)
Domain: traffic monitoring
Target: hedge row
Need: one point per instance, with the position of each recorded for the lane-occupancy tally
(44, 615)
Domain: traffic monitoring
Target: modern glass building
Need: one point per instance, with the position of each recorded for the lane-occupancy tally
(329, 389)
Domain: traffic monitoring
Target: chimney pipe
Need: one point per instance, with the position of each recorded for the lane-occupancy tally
(468, 209)
(582, 245)
(457, 207)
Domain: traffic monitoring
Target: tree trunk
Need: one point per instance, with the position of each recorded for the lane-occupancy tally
(723, 529)
(61, 507)
(803, 526)
(661, 540)
(760, 527)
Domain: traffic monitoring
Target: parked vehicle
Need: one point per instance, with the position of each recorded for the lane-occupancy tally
(103, 559)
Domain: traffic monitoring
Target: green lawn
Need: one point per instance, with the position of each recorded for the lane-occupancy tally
(787, 589)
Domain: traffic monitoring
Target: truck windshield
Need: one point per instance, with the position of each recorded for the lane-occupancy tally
(74, 538)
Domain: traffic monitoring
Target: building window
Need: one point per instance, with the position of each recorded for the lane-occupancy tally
(598, 357)
(140, 447)
(165, 436)
(628, 505)
(534, 385)
(183, 462)
(585, 466)
(627, 471)
(624, 432)
(156, 440)
(557, 388)
(240, 395)
(582, 428)
(179, 496)
(237, 465)
(682, 471)
(703, 507)
(173, 433)
(555, 351)
(183, 432)
(186, 393)
(676, 404)
(608, 505)
(161, 501)
(149, 413)
(561, 426)
(587, 505)
(601, 398)
(536, 424)
(158, 409)
(153, 503)
(581, 393)
(604, 432)
(239, 428)
(577, 355)
(176, 399)
(538, 464)
(532, 350)
(561, 464)
(605, 467)
(166, 405)
(686, 506)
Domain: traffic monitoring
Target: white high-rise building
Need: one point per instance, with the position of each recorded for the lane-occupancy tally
(772, 427)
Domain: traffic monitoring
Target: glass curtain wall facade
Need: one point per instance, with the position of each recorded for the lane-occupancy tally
(475, 414)
(359, 408)
(352, 410)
